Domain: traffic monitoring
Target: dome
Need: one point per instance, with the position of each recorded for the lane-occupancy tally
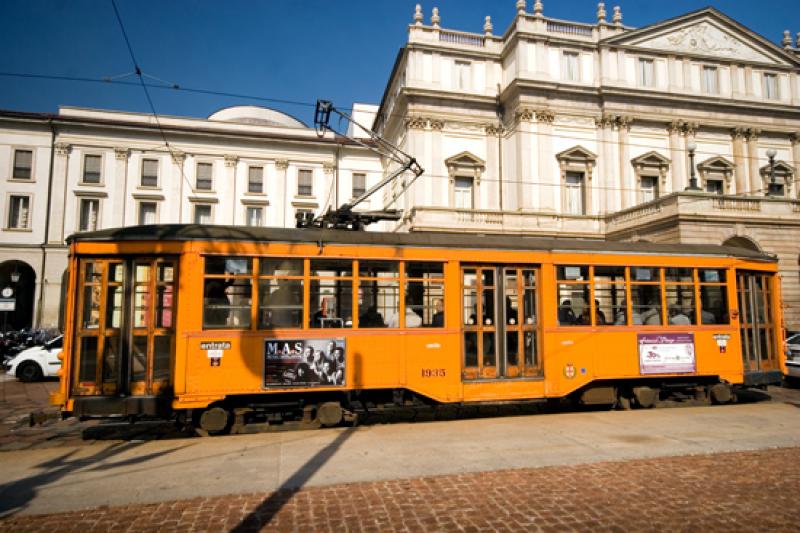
(256, 115)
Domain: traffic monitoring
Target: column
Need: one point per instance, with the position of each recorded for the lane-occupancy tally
(524, 172)
(230, 178)
(178, 162)
(739, 159)
(60, 182)
(437, 187)
(677, 155)
(605, 176)
(119, 195)
(627, 186)
(282, 199)
(433, 149)
(492, 176)
(794, 138)
(756, 184)
(548, 178)
(689, 131)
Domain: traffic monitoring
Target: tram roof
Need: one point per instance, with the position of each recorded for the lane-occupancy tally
(199, 232)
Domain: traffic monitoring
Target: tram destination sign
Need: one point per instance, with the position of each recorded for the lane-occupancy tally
(304, 362)
(666, 353)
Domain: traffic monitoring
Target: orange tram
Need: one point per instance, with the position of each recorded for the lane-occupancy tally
(228, 328)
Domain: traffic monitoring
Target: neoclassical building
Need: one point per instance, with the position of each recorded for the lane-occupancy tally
(551, 127)
(560, 128)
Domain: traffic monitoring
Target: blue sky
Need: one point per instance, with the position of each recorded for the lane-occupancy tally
(295, 50)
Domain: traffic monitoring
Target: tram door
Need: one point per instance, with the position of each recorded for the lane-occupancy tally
(499, 326)
(757, 326)
(125, 331)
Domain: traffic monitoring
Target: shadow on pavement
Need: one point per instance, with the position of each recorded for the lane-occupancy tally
(266, 510)
(16, 495)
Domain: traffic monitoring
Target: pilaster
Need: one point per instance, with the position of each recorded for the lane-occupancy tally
(677, 156)
(739, 159)
(119, 198)
(230, 179)
(627, 186)
(178, 169)
(548, 184)
(756, 184)
(281, 165)
(58, 209)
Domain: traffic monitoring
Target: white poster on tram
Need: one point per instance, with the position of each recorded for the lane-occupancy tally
(666, 353)
(304, 362)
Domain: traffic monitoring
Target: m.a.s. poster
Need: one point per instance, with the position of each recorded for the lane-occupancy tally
(666, 353)
(304, 362)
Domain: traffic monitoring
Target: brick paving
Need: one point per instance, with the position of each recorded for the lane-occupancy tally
(742, 491)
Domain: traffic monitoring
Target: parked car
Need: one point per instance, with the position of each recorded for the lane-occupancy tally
(793, 357)
(33, 364)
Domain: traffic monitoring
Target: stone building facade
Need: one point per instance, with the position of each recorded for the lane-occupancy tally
(561, 128)
(548, 128)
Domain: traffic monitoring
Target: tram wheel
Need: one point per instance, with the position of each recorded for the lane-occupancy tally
(330, 414)
(720, 393)
(214, 421)
(645, 397)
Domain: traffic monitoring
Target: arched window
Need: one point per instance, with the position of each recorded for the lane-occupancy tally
(740, 241)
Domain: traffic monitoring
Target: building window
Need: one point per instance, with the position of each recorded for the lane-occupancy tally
(359, 184)
(255, 179)
(149, 173)
(574, 193)
(92, 165)
(23, 163)
(646, 73)
(148, 213)
(463, 192)
(305, 182)
(255, 216)
(710, 81)
(204, 180)
(89, 214)
(715, 186)
(569, 69)
(462, 80)
(202, 214)
(776, 189)
(19, 212)
(649, 188)
(770, 86)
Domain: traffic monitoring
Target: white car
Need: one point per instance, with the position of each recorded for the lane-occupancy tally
(793, 356)
(37, 362)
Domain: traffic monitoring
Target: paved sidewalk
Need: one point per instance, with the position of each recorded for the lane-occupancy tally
(742, 491)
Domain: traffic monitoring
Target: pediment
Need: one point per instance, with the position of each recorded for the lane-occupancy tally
(577, 154)
(465, 159)
(707, 33)
(651, 159)
(781, 169)
(716, 164)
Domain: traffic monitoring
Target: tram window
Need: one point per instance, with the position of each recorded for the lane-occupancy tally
(139, 359)
(228, 265)
(114, 306)
(646, 304)
(713, 304)
(679, 275)
(573, 273)
(91, 306)
(162, 349)
(227, 297)
(681, 308)
(379, 294)
(88, 359)
(470, 348)
(715, 275)
(331, 294)
(280, 303)
(573, 304)
(529, 297)
(280, 267)
(644, 274)
(609, 296)
(424, 292)
(470, 296)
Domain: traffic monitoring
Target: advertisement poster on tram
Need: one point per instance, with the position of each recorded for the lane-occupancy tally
(304, 362)
(666, 353)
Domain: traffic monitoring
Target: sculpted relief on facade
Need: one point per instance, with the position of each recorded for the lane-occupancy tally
(705, 39)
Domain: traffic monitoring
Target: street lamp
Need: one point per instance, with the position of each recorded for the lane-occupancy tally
(771, 153)
(691, 146)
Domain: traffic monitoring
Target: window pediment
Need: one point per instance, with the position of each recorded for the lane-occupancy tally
(651, 159)
(577, 155)
(465, 164)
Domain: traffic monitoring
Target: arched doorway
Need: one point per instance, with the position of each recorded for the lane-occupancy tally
(740, 241)
(17, 290)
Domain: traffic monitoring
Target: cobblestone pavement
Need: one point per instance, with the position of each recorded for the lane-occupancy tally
(743, 491)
